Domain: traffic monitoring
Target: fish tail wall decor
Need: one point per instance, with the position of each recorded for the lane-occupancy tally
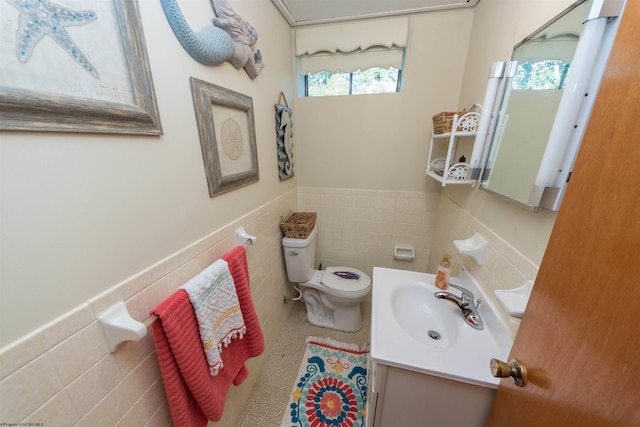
(230, 38)
(209, 46)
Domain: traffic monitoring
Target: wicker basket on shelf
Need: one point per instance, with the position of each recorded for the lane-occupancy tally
(442, 122)
(298, 225)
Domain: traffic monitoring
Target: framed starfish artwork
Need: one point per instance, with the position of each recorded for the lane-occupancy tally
(73, 66)
(227, 136)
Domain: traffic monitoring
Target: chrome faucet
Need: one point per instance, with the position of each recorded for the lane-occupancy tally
(468, 309)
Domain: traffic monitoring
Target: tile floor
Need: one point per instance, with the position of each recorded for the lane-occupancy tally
(269, 398)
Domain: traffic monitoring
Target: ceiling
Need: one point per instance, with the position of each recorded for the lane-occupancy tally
(305, 12)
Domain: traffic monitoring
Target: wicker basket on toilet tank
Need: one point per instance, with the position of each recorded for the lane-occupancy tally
(298, 225)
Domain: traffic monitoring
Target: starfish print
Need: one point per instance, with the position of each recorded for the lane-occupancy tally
(39, 18)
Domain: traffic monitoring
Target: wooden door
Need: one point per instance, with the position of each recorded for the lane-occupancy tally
(580, 335)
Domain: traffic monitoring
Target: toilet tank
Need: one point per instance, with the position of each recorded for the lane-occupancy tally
(299, 257)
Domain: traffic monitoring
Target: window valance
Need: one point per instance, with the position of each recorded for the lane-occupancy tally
(349, 46)
(352, 61)
(352, 36)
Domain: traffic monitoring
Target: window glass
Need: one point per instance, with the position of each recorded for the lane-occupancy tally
(375, 80)
(326, 83)
(371, 81)
(542, 75)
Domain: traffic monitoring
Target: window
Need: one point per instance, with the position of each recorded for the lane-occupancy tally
(349, 58)
(373, 80)
(549, 74)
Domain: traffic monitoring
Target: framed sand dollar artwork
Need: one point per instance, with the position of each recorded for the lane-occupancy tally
(227, 136)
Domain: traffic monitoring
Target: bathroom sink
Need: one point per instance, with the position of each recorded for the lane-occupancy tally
(406, 315)
(423, 317)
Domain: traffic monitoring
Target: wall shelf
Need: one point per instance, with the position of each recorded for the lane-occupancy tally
(444, 169)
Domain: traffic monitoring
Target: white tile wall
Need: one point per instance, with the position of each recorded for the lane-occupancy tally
(504, 267)
(359, 228)
(62, 374)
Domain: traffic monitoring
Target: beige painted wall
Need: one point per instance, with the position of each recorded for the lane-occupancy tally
(381, 142)
(81, 213)
(88, 220)
(498, 25)
(84, 216)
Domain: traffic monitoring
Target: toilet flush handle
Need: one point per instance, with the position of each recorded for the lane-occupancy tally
(293, 253)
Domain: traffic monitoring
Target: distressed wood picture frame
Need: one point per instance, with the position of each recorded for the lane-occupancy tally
(227, 136)
(45, 110)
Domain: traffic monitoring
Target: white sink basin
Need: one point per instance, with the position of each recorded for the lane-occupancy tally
(423, 317)
(404, 310)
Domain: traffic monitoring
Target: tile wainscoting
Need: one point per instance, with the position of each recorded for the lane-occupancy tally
(359, 228)
(62, 374)
(504, 267)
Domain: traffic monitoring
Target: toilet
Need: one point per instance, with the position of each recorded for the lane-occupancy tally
(332, 296)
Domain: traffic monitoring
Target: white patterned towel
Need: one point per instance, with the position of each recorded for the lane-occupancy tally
(215, 302)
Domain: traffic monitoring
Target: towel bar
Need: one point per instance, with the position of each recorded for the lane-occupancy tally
(244, 239)
(117, 324)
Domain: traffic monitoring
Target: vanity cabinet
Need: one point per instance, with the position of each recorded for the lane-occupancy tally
(413, 381)
(401, 397)
(447, 170)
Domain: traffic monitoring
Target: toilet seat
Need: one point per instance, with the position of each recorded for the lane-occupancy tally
(346, 282)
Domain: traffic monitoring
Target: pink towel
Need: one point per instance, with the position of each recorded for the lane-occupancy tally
(194, 395)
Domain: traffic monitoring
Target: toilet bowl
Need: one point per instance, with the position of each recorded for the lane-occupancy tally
(332, 296)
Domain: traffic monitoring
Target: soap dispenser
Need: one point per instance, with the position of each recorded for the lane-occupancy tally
(442, 274)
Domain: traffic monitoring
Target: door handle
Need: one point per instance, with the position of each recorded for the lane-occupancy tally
(515, 369)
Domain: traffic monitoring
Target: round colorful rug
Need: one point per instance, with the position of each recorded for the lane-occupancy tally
(332, 386)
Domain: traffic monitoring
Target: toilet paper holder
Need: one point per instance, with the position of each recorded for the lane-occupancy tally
(404, 253)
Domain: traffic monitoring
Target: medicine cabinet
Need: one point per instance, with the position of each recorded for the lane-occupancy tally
(542, 103)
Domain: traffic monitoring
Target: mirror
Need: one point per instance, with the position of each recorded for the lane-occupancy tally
(535, 81)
